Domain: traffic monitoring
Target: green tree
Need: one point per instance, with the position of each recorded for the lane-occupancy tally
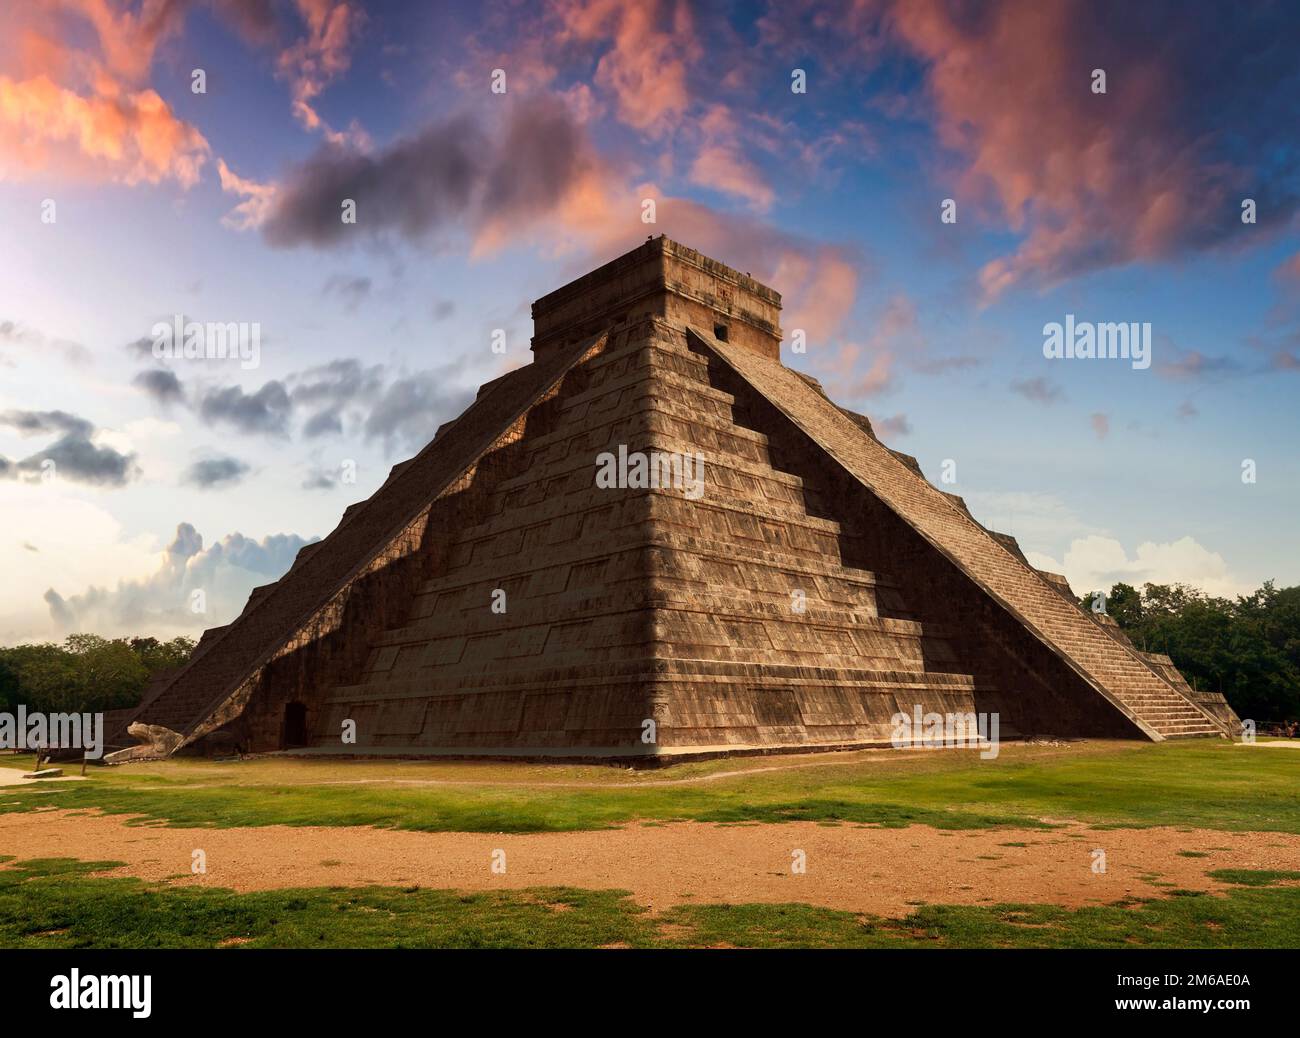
(1248, 649)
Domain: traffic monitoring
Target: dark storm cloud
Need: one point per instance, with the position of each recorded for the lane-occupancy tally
(341, 397)
(331, 390)
(35, 423)
(342, 381)
(412, 187)
(141, 348)
(73, 454)
(160, 384)
(215, 472)
(318, 479)
(449, 172)
(266, 411)
(81, 461)
(535, 162)
(412, 408)
(323, 423)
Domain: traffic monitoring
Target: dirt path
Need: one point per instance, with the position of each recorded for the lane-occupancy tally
(881, 871)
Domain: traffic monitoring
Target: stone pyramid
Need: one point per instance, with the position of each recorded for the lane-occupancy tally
(792, 584)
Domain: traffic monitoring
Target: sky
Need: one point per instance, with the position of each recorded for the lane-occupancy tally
(929, 185)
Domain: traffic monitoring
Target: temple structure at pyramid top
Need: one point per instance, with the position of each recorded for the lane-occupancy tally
(652, 543)
(666, 280)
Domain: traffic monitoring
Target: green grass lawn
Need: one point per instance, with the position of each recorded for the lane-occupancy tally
(61, 903)
(57, 903)
(1203, 784)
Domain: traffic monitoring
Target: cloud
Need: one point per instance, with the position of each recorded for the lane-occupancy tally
(352, 290)
(1039, 390)
(34, 423)
(895, 425)
(320, 57)
(538, 180)
(1193, 364)
(847, 380)
(644, 68)
(216, 472)
(1141, 172)
(400, 409)
(15, 334)
(342, 388)
(73, 456)
(82, 108)
(76, 541)
(1288, 271)
(942, 365)
(411, 408)
(415, 186)
(319, 479)
(265, 412)
(723, 168)
(1095, 563)
(163, 601)
(1038, 520)
(131, 138)
(258, 199)
(896, 333)
(162, 385)
(448, 176)
(254, 20)
(720, 162)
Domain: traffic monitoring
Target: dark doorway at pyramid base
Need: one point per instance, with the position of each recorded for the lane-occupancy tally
(295, 734)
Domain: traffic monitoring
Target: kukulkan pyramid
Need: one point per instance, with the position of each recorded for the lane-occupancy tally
(656, 521)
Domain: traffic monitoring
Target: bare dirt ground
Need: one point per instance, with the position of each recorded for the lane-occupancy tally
(850, 867)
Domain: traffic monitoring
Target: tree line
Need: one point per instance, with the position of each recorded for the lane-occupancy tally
(86, 673)
(1248, 648)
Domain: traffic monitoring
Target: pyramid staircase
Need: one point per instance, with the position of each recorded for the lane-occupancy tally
(730, 621)
(1116, 670)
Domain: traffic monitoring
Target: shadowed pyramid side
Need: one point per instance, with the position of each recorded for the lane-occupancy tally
(1054, 667)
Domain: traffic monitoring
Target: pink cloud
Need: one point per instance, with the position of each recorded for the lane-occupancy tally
(1090, 179)
(320, 57)
(645, 65)
(720, 161)
(84, 109)
(1288, 271)
(894, 425)
(258, 199)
